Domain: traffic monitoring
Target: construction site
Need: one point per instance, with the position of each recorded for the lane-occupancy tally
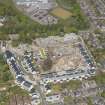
(54, 54)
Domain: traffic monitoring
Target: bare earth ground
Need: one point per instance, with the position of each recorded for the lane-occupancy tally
(19, 100)
(61, 13)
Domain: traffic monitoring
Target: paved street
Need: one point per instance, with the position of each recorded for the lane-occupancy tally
(43, 101)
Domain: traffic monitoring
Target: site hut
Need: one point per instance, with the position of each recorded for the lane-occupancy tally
(43, 53)
(54, 78)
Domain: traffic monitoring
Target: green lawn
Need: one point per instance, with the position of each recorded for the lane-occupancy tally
(5, 75)
(68, 100)
(100, 78)
(4, 98)
(103, 94)
(17, 90)
(10, 92)
(71, 85)
(89, 101)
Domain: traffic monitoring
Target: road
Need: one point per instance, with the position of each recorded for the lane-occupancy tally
(42, 95)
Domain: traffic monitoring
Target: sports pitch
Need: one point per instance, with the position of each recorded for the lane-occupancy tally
(61, 13)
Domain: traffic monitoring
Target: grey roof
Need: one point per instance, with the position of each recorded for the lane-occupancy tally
(13, 64)
(66, 75)
(15, 67)
(20, 79)
(29, 63)
(86, 56)
(27, 84)
(8, 54)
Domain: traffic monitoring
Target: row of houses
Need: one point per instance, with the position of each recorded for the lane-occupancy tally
(100, 6)
(28, 65)
(56, 98)
(16, 70)
(87, 58)
(24, 83)
(66, 75)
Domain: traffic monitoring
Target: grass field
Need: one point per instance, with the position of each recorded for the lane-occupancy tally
(61, 13)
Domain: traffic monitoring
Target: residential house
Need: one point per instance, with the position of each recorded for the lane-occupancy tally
(97, 100)
(54, 98)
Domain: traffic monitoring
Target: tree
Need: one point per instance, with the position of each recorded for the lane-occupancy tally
(47, 64)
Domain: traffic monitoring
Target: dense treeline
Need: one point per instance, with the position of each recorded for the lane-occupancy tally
(5, 75)
(17, 23)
